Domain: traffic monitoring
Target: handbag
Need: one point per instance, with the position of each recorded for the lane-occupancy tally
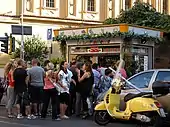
(57, 86)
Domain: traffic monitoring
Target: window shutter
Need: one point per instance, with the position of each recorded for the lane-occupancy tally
(29, 5)
(75, 7)
(94, 5)
(71, 7)
(110, 8)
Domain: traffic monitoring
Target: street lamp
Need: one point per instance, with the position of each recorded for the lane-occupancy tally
(22, 31)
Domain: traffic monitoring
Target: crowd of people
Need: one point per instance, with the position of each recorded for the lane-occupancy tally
(70, 89)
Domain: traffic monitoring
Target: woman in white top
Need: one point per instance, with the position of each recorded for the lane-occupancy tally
(64, 78)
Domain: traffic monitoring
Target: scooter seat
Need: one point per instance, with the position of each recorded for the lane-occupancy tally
(130, 96)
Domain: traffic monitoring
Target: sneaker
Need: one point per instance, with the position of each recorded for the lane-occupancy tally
(64, 117)
(33, 116)
(57, 119)
(29, 117)
(19, 116)
(11, 116)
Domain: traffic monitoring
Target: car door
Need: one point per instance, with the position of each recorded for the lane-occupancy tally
(141, 80)
(164, 75)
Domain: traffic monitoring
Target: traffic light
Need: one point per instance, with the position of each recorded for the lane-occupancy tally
(12, 44)
(4, 44)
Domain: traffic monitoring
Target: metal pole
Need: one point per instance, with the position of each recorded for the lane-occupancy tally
(129, 83)
(22, 31)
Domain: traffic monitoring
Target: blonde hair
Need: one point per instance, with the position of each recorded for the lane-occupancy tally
(118, 62)
(49, 72)
(9, 66)
(50, 66)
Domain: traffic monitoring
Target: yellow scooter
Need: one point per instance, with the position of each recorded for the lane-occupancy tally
(141, 107)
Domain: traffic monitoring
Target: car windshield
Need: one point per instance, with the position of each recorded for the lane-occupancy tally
(142, 80)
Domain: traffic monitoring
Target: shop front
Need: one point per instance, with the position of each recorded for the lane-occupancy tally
(106, 44)
(104, 53)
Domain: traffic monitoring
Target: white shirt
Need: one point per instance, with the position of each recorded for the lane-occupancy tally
(70, 74)
(64, 78)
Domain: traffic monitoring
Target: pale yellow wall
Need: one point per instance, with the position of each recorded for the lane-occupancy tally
(8, 7)
(74, 9)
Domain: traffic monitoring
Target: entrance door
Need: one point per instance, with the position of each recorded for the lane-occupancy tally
(143, 57)
(142, 62)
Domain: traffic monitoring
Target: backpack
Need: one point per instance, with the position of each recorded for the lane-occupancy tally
(104, 84)
(100, 83)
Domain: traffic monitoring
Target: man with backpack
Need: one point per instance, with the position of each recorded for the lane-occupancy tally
(105, 81)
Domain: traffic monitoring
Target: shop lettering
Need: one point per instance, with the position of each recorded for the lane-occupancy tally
(93, 42)
(111, 49)
(95, 50)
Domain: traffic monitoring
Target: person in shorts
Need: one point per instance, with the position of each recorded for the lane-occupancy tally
(36, 79)
(21, 90)
(63, 76)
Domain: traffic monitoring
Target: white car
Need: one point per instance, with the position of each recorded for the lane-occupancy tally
(144, 81)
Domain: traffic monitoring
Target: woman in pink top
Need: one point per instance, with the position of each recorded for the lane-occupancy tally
(122, 70)
(50, 92)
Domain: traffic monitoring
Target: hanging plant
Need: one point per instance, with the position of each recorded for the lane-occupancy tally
(127, 36)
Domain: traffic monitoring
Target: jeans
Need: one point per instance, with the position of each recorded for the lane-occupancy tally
(78, 103)
(10, 97)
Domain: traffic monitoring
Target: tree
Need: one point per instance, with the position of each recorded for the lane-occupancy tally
(34, 48)
(142, 14)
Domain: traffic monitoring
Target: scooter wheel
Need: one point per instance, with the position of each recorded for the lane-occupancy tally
(101, 117)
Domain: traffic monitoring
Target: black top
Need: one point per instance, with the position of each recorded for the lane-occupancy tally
(87, 85)
(75, 78)
(78, 84)
(20, 75)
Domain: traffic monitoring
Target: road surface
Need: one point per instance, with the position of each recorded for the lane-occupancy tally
(72, 122)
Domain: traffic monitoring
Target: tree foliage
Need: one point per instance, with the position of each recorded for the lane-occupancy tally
(34, 48)
(142, 14)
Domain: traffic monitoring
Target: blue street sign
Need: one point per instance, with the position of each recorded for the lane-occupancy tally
(49, 34)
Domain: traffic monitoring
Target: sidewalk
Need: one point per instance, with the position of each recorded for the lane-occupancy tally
(3, 111)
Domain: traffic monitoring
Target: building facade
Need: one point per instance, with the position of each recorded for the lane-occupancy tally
(44, 14)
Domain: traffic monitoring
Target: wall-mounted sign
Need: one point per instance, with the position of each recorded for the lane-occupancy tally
(94, 50)
(103, 29)
(140, 50)
(49, 34)
(76, 50)
(145, 63)
(93, 42)
(106, 49)
(17, 30)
